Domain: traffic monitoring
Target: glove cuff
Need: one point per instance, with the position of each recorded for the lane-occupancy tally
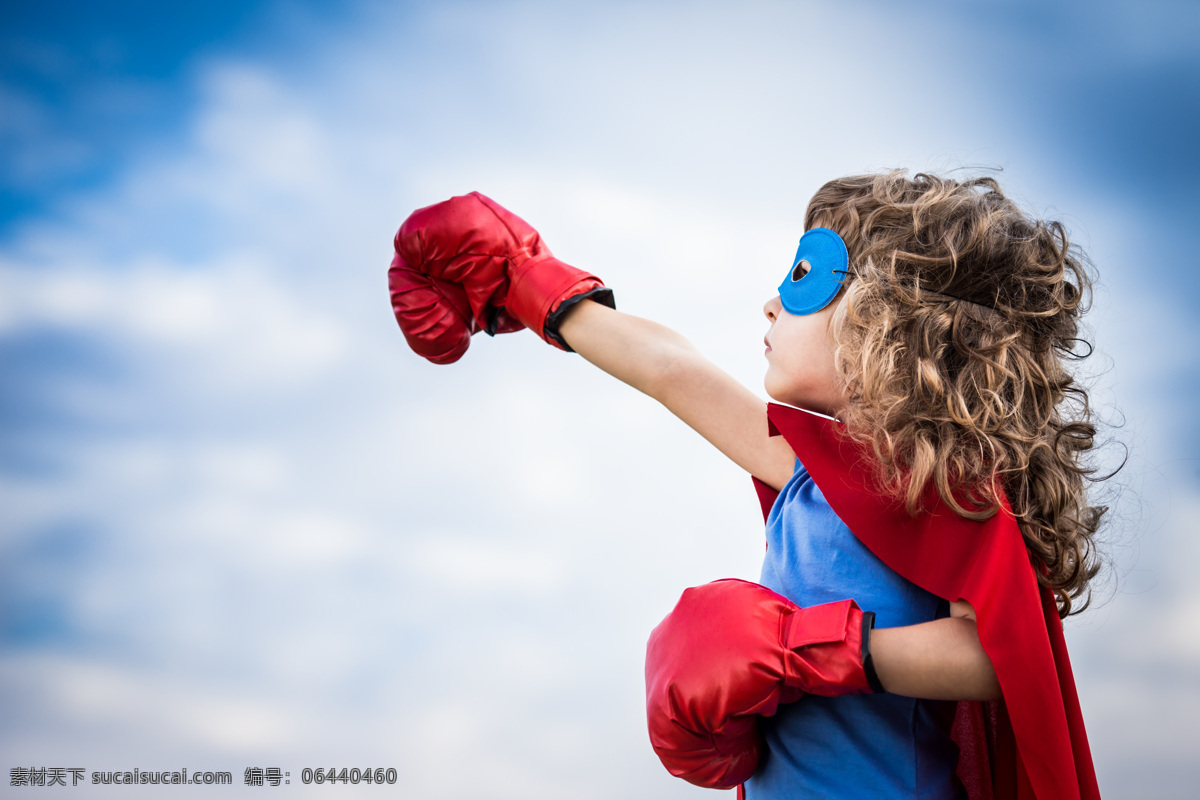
(542, 289)
(828, 650)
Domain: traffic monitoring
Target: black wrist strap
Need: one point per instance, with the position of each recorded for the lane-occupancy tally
(601, 294)
(868, 624)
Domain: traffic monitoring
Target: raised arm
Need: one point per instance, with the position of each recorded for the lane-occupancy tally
(469, 264)
(661, 363)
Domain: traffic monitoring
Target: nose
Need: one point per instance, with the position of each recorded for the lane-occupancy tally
(772, 307)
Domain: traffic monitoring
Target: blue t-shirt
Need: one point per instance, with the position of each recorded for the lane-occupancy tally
(858, 746)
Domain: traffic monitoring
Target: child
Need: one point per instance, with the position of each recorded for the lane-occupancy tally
(924, 537)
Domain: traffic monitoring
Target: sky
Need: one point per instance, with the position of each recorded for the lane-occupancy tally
(244, 526)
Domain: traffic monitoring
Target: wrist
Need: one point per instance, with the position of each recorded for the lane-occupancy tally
(554, 322)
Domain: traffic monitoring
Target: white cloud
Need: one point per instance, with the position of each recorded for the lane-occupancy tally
(234, 321)
(482, 566)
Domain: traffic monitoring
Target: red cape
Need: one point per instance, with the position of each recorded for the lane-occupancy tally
(1032, 744)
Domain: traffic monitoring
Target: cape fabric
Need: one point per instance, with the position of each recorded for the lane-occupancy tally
(1032, 744)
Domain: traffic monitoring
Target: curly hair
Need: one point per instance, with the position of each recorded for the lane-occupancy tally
(953, 340)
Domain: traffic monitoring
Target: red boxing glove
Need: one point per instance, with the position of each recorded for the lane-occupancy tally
(468, 264)
(732, 651)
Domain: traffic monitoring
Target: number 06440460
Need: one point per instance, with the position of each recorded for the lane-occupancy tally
(344, 775)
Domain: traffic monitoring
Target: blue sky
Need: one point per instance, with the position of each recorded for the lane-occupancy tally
(89, 87)
(245, 526)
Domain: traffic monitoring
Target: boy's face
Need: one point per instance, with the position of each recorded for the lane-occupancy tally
(800, 358)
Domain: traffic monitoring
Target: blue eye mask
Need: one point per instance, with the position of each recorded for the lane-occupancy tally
(825, 254)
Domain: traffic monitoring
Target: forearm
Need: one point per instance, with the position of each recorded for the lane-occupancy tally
(664, 365)
(634, 350)
(939, 660)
